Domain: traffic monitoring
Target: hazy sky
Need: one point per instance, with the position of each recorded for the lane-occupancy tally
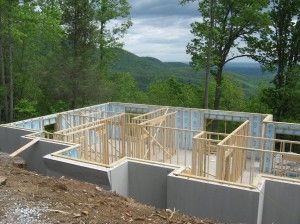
(161, 29)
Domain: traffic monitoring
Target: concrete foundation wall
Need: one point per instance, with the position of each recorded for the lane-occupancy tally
(225, 203)
(281, 202)
(148, 183)
(58, 167)
(35, 153)
(10, 138)
(274, 202)
(119, 179)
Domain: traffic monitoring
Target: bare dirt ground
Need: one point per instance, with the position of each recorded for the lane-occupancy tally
(26, 197)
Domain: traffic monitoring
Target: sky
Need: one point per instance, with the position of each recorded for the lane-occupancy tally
(161, 29)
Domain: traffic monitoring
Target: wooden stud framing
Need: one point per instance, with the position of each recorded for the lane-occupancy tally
(106, 137)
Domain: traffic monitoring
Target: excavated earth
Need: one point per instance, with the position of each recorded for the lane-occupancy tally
(27, 197)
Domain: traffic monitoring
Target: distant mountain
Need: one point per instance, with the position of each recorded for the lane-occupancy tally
(148, 69)
(246, 68)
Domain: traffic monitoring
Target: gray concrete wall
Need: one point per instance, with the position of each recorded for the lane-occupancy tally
(119, 179)
(58, 167)
(261, 188)
(225, 203)
(10, 138)
(148, 183)
(281, 202)
(35, 153)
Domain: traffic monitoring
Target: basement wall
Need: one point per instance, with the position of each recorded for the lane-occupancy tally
(91, 173)
(35, 153)
(155, 184)
(222, 202)
(10, 138)
(145, 182)
(119, 178)
(148, 183)
(281, 202)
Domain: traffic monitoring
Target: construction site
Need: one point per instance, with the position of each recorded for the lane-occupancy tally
(168, 157)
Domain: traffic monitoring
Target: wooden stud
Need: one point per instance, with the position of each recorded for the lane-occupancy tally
(23, 148)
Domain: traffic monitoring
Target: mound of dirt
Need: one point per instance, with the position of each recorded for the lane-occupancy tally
(27, 197)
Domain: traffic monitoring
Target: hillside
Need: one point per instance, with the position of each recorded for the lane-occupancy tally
(147, 69)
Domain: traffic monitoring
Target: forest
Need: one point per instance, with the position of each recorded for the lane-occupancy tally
(57, 55)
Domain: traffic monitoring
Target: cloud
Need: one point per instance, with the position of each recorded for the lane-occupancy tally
(161, 29)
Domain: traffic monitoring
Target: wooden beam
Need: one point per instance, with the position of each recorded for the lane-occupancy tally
(24, 147)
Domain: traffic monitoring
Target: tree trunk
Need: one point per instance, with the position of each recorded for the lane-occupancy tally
(218, 87)
(208, 60)
(3, 72)
(218, 94)
(11, 83)
(10, 68)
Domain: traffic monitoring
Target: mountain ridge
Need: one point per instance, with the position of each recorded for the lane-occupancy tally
(149, 69)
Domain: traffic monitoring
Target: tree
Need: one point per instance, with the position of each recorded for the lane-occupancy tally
(91, 38)
(170, 92)
(234, 22)
(127, 89)
(233, 96)
(281, 53)
(23, 27)
(7, 37)
(254, 103)
(110, 32)
(209, 48)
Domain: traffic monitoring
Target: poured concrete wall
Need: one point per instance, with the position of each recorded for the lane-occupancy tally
(35, 153)
(153, 184)
(10, 138)
(58, 167)
(281, 202)
(148, 183)
(119, 179)
(227, 204)
(145, 182)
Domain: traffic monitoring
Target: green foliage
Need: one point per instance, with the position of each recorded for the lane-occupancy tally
(232, 95)
(59, 106)
(28, 31)
(126, 89)
(284, 103)
(56, 55)
(146, 69)
(89, 45)
(26, 109)
(281, 52)
(233, 21)
(172, 93)
(254, 104)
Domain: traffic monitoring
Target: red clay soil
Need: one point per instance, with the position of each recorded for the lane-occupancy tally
(27, 197)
